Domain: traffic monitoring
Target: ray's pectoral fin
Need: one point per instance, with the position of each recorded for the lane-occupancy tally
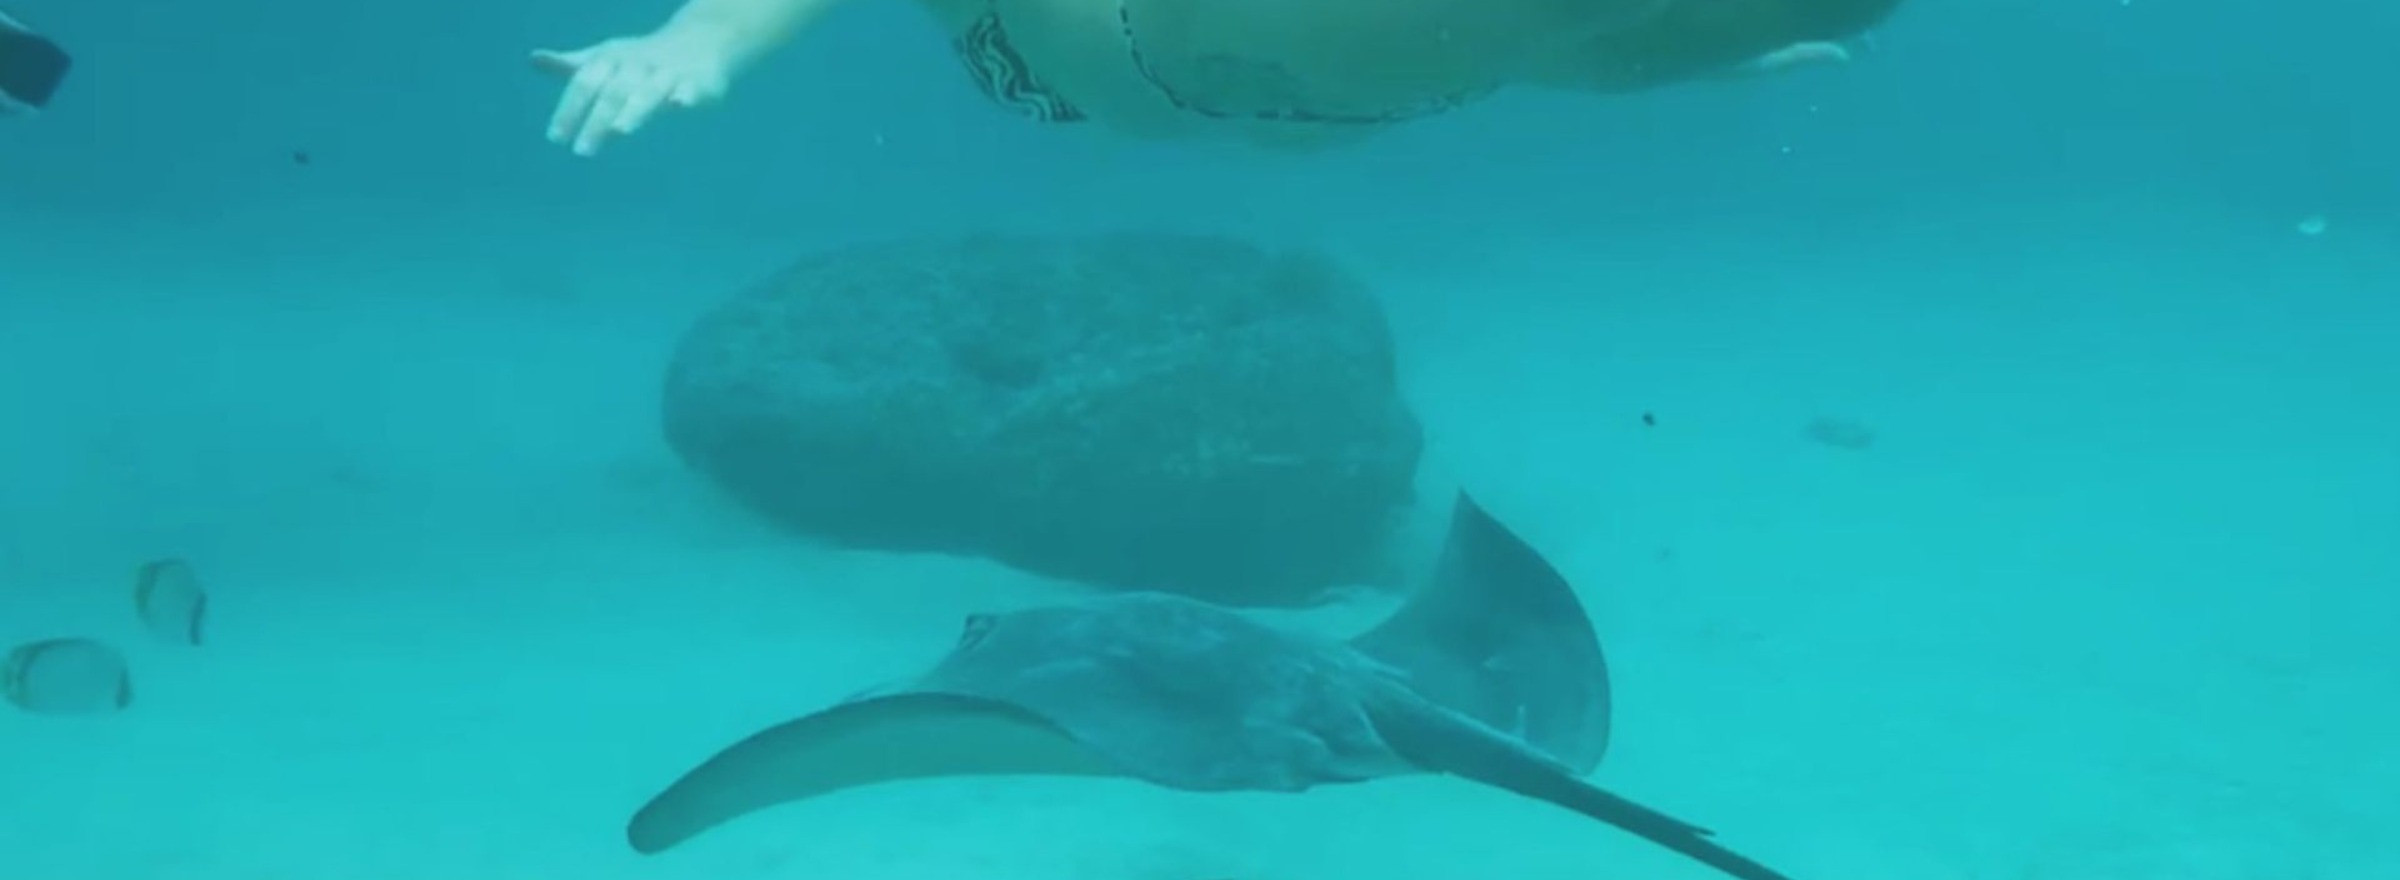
(1442, 742)
(1501, 637)
(875, 740)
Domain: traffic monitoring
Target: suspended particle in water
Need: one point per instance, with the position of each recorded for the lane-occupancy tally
(1839, 433)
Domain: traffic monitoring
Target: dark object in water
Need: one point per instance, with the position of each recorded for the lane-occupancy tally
(168, 598)
(1840, 433)
(66, 677)
(31, 67)
(1182, 413)
(1491, 674)
(1649, 420)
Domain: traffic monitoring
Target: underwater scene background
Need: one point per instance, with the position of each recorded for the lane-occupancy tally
(1980, 460)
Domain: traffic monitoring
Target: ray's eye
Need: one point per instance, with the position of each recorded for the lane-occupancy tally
(977, 626)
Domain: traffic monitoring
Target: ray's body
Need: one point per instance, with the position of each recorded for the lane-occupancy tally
(1491, 674)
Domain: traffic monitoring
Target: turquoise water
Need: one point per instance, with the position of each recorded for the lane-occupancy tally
(2106, 598)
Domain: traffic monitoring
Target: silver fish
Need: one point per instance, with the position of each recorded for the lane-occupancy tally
(168, 598)
(69, 676)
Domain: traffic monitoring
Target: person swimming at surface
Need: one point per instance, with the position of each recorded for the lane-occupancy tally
(1295, 72)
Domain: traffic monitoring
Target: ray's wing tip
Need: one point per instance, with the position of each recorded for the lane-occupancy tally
(647, 840)
(657, 827)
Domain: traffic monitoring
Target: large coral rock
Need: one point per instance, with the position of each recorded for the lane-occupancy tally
(1176, 413)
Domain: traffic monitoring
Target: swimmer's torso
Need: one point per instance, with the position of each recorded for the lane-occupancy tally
(1272, 70)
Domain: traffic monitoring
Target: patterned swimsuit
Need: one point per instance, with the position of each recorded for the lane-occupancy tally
(1004, 77)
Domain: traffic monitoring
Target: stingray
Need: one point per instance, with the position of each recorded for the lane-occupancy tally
(1491, 673)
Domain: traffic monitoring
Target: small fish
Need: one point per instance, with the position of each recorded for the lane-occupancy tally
(167, 596)
(66, 677)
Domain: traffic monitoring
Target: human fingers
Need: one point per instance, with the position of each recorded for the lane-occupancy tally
(609, 101)
(643, 99)
(690, 93)
(554, 61)
(575, 105)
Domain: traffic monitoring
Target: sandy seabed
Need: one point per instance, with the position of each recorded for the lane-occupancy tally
(2106, 598)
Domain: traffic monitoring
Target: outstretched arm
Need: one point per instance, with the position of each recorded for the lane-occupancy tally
(744, 30)
(615, 86)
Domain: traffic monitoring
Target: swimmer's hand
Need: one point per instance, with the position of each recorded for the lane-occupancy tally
(615, 86)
